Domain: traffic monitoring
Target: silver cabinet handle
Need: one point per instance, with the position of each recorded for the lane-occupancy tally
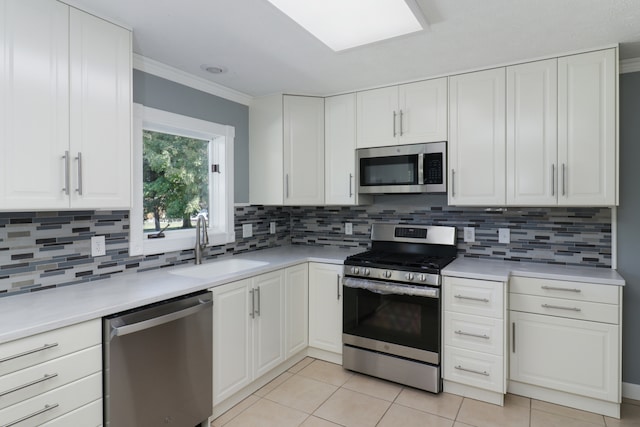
(28, 352)
(286, 185)
(471, 298)
(469, 334)
(394, 123)
(350, 185)
(564, 180)
(473, 371)
(29, 384)
(453, 183)
(338, 286)
(554, 288)
(553, 179)
(252, 313)
(79, 159)
(559, 307)
(513, 337)
(401, 124)
(258, 294)
(35, 414)
(65, 161)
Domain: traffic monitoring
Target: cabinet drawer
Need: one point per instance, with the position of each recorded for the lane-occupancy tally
(479, 297)
(37, 379)
(483, 334)
(568, 290)
(29, 351)
(87, 416)
(571, 309)
(480, 370)
(54, 403)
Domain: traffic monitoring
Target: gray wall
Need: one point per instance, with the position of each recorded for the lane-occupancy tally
(628, 224)
(156, 92)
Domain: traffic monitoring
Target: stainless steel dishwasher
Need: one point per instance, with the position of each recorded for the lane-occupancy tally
(158, 364)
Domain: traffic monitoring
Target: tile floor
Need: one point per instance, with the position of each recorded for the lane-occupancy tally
(315, 393)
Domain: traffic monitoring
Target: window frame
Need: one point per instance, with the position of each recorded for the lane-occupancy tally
(220, 226)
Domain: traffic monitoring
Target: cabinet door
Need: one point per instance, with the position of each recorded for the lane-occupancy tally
(34, 112)
(304, 150)
(587, 128)
(377, 117)
(268, 328)
(423, 111)
(296, 315)
(232, 311)
(570, 355)
(477, 138)
(532, 147)
(100, 105)
(325, 307)
(340, 150)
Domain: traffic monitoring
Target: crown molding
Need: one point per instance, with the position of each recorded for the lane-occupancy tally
(631, 65)
(159, 69)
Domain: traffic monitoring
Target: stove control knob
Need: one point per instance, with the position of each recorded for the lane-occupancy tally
(409, 276)
(366, 271)
(387, 274)
(355, 270)
(422, 278)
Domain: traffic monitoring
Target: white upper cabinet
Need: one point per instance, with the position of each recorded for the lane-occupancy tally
(532, 133)
(100, 76)
(405, 114)
(65, 78)
(587, 136)
(477, 138)
(340, 180)
(286, 150)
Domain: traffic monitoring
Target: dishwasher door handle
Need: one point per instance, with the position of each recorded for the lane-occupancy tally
(150, 323)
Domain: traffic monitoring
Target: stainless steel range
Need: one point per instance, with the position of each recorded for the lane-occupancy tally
(391, 306)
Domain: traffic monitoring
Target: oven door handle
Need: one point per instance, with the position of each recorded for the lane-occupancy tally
(387, 288)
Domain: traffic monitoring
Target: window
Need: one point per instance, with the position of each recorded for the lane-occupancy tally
(182, 169)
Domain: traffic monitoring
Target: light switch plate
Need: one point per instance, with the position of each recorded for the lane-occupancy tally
(348, 228)
(98, 247)
(504, 235)
(469, 234)
(247, 230)
(272, 227)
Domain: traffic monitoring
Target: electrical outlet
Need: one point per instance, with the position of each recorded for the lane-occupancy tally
(98, 247)
(504, 235)
(247, 230)
(469, 234)
(272, 227)
(348, 228)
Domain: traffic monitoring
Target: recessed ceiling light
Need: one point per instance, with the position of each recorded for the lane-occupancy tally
(344, 24)
(213, 69)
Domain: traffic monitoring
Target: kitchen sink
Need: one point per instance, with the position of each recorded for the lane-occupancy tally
(218, 268)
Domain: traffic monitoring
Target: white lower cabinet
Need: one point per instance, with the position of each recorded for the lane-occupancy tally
(53, 378)
(325, 307)
(565, 343)
(474, 353)
(250, 335)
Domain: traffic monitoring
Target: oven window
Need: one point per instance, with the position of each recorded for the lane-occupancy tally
(393, 170)
(411, 321)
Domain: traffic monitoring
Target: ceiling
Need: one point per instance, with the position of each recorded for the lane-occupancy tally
(264, 52)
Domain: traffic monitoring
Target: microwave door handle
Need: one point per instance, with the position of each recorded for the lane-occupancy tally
(421, 180)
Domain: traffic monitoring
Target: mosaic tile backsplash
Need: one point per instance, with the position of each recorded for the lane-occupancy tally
(40, 250)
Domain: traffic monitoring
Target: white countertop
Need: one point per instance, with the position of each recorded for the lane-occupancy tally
(484, 269)
(32, 313)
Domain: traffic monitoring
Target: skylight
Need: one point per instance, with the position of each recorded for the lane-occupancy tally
(344, 24)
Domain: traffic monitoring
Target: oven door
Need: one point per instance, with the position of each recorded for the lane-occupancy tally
(397, 319)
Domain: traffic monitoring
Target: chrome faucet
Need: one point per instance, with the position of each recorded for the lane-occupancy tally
(202, 238)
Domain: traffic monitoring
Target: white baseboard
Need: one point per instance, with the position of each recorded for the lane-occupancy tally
(631, 391)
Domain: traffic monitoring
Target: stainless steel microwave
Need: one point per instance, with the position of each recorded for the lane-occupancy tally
(415, 168)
